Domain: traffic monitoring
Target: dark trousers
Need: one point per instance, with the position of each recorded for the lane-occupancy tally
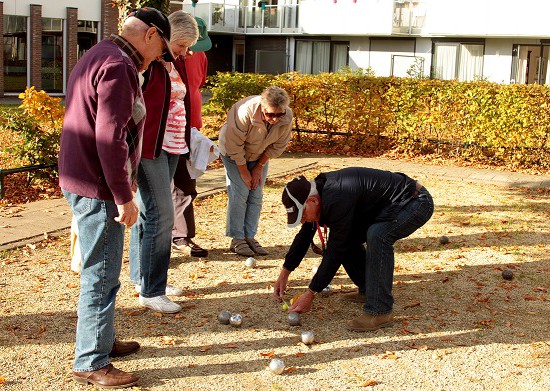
(371, 267)
(184, 191)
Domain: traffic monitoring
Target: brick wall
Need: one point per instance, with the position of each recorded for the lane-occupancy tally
(109, 19)
(72, 39)
(1, 51)
(175, 7)
(36, 46)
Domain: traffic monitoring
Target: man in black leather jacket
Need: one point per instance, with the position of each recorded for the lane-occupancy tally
(360, 206)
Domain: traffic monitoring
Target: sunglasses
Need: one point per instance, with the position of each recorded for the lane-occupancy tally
(274, 115)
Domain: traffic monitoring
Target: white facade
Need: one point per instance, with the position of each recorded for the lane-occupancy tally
(87, 9)
(504, 41)
(497, 40)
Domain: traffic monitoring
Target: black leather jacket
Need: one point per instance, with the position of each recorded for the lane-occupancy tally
(352, 199)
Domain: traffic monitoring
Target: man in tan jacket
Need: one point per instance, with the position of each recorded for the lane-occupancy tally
(257, 129)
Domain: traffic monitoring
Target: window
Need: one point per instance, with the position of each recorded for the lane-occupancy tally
(15, 53)
(530, 64)
(87, 35)
(320, 56)
(460, 61)
(52, 54)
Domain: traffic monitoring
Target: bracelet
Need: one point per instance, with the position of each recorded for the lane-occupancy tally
(312, 292)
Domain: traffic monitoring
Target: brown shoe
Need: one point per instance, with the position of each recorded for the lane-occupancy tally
(106, 377)
(239, 246)
(121, 349)
(256, 247)
(369, 322)
(354, 297)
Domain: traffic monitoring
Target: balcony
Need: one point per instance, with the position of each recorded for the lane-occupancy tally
(228, 18)
(408, 17)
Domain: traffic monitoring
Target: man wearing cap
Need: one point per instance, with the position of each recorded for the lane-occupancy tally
(359, 206)
(184, 188)
(99, 153)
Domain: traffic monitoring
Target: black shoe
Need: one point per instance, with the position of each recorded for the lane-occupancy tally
(188, 247)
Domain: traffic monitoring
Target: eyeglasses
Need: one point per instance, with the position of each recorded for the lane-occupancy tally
(161, 36)
(274, 115)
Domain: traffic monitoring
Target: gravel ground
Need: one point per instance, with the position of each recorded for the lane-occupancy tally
(459, 325)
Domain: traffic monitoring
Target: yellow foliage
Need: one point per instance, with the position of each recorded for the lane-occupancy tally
(43, 108)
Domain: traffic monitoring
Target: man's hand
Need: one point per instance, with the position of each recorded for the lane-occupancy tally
(280, 285)
(303, 303)
(127, 213)
(245, 176)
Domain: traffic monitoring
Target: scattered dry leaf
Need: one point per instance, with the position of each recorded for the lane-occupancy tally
(168, 340)
(296, 297)
(289, 369)
(412, 304)
(369, 383)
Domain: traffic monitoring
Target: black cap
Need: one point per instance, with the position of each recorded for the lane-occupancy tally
(154, 18)
(295, 196)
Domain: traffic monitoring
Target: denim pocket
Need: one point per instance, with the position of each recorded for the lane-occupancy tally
(79, 204)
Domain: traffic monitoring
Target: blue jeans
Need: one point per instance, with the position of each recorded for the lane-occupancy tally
(101, 241)
(379, 252)
(243, 205)
(151, 237)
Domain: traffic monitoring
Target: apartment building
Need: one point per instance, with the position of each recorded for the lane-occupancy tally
(501, 41)
(504, 41)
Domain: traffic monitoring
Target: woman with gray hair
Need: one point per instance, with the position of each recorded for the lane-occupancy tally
(166, 137)
(257, 129)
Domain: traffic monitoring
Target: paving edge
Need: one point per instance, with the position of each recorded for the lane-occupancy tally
(60, 231)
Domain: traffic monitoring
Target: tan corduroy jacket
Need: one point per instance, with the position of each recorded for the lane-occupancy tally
(244, 136)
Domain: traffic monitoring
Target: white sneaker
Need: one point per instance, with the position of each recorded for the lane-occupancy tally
(160, 304)
(171, 290)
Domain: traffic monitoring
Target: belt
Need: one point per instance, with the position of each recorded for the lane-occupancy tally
(419, 187)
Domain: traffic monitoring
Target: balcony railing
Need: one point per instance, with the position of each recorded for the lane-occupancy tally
(271, 19)
(408, 16)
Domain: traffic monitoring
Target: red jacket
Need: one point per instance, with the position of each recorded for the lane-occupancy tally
(196, 67)
(156, 93)
(157, 101)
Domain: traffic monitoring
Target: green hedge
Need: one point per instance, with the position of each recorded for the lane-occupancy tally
(504, 124)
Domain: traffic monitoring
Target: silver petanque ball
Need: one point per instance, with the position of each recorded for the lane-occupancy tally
(308, 337)
(250, 262)
(236, 320)
(277, 366)
(294, 319)
(314, 269)
(223, 317)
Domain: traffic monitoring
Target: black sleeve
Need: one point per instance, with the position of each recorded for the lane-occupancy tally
(338, 244)
(299, 246)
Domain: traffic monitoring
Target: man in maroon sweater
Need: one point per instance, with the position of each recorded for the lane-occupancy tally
(100, 150)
